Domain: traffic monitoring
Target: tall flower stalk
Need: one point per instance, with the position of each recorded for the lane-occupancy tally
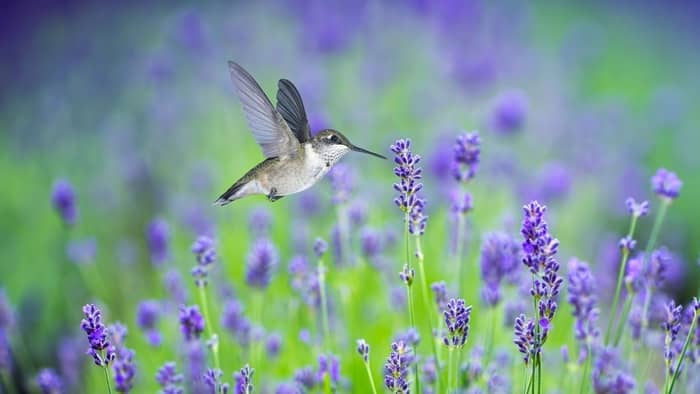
(320, 248)
(102, 351)
(363, 351)
(457, 316)
(691, 331)
(413, 207)
(203, 249)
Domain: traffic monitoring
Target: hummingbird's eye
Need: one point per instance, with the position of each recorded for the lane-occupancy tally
(334, 139)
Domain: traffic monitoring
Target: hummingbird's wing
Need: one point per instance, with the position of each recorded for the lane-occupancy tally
(291, 107)
(269, 128)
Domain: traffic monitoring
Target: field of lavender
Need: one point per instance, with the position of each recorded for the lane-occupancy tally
(533, 231)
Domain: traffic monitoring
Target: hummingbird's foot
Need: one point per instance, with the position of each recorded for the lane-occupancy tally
(273, 195)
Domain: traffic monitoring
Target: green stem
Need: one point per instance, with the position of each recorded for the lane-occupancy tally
(209, 328)
(450, 372)
(324, 304)
(539, 373)
(371, 378)
(531, 385)
(586, 366)
(526, 381)
(426, 302)
(660, 215)
(411, 312)
(620, 276)
(625, 312)
(458, 252)
(109, 386)
(343, 234)
(677, 370)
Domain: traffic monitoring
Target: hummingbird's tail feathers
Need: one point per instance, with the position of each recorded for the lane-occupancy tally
(231, 195)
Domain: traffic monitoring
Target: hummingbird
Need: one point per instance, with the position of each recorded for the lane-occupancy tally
(294, 160)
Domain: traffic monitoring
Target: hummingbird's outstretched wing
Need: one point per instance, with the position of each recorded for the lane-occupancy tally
(291, 107)
(269, 128)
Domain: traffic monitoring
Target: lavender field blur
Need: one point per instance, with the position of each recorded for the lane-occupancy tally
(120, 126)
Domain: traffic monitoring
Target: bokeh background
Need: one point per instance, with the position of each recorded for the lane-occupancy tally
(576, 104)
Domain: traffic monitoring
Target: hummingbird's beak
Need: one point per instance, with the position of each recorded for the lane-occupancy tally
(358, 149)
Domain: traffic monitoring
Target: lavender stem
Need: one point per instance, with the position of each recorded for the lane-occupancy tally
(426, 302)
(677, 370)
(660, 215)
(324, 304)
(208, 325)
(109, 387)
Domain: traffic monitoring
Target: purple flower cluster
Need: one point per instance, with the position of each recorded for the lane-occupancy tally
(169, 380)
(457, 315)
(539, 248)
(328, 365)
(49, 382)
(124, 370)
(212, 379)
(305, 378)
(102, 352)
(158, 239)
(581, 285)
(244, 380)
(204, 251)
(467, 150)
(526, 339)
(320, 247)
(608, 377)
(440, 291)
(191, 322)
(671, 326)
(233, 320)
(342, 179)
(666, 184)
(63, 199)
(500, 256)
(259, 222)
(637, 209)
(363, 350)
(262, 260)
(305, 281)
(509, 112)
(407, 274)
(147, 316)
(397, 366)
(409, 185)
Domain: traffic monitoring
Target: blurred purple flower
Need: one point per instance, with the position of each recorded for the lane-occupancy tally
(407, 274)
(637, 209)
(262, 260)
(82, 251)
(124, 370)
(244, 380)
(397, 297)
(357, 212)
(440, 292)
(49, 382)
(671, 327)
(235, 322)
(320, 247)
(509, 112)
(343, 179)
(410, 337)
(205, 253)
(305, 377)
(608, 377)
(500, 256)
(191, 322)
(467, 150)
(666, 184)
(63, 199)
(158, 238)
(273, 344)
(212, 378)
(7, 314)
(259, 222)
(175, 286)
(582, 297)
(70, 364)
(371, 243)
(147, 316)
(169, 380)
(309, 204)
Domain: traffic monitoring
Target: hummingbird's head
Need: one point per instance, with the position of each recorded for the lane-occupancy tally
(334, 145)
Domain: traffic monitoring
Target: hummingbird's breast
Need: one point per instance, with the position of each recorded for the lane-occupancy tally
(298, 173)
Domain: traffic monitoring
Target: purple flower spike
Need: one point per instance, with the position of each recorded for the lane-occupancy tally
(500, 255)
(466, 156)
(457, 316)
(259, 222)
(100, 349)
(320, 247)
(158, 239)
(305, 378)
(124, 370)
(671, 326)
(63, 199)
(396, 368)
(147, 316)
(440, 291)
(407, 275)
(627, 243)
(169, 380)
(49, 382)
(273, 345)
(204, 251)
(526, 339)
(328, 365)
(212, 378)
(583, 299)
(608, 377)
(191, 322)
(261, 261)
(637, 209)
(363, 350)
(509, 112)
(666, 184)
(342, 178)
(7, 315)
(244, 380)
(409, 185)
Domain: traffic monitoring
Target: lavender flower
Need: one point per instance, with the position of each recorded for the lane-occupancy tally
(176, 286)
(328, 365)
(191, 322)
(102, 352)
(158, 239)
(262, 259)
(657, 267)
(204, 251)
(583, 300)
(461, 203)
(466, 156)
(63, 199)
(396, 368)
(637, 209)
(7, 314)
(457, 316)
(147, 316)
(244, 380)
(49, 382)
(124, 370)
(440, 291)
(671, 326)
(409, 185)
(526, 339)
(169, 380)
(342, 179)
(273, 345)
(627, 243)
(288, 388)
(305, 377)
(371, 243)
(410, 337)
(363, 350)
(233, 320)
(499, 260)
(68, 357)
(407, 275)
(608, 377)
(82, 251)
(509, 112)
(212, 379)
(320, 247)
(259, 222)
(666, 184)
